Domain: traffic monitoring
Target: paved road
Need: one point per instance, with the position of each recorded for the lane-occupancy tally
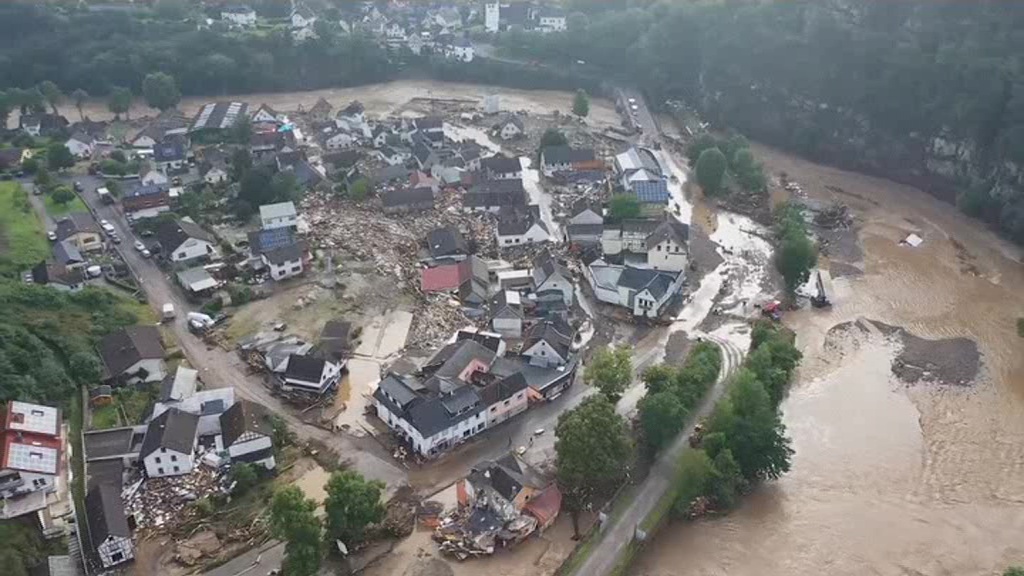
(258, 562)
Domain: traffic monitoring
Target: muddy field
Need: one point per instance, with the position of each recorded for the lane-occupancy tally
(888, 478)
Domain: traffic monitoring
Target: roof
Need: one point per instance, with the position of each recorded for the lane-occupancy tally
(173, 430)
(408, 197)
(514, 120)
(507, 304)
(491, 193)
(447, 241)
(508, 475)
(171, 234)
(555, 336)
(334, 338)
(672, 229)
(545, 506)
(82, 137)
(354, 108)
(261, 241)
(388, 173)
(279, 210)
(104, 512)
(74, 223)
(584, 230)
(488, 340)
(567, 155)
(501, 164)
(459, 355)
(196, 279)
(545, 266)
(123, 349)
(429, 123)
(649, 192)
(395, 386)
(32, 418)
(441, 278)
(637, 158)
(65, 252)
(284, 254)
(503, 389)
(243, 417)
(169, 150)
(515, 221)
(640, 279)
(305, 368)
(219, 115)
(147, 190)
(53, 273)
(57, 566)
(107, 443)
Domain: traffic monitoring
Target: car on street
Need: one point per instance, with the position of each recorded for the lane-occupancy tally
(634, 107)
(632, 100)
(115, 238)
(139, 245)
(108, 227)
(78, 186)
(146, 253)
(51, 236)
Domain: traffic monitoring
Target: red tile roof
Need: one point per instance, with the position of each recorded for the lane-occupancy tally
(442, 278)
(545, 506)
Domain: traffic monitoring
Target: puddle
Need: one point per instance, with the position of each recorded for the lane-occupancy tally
(354, 395)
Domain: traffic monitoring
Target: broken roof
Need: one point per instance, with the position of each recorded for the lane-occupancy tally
(503, 389)
(408, 197)
(305, 368)
(180, 386)
(173, 430)
(559, 338)
(447, 241)
(496, 193)
(545, 266)
(334, 339)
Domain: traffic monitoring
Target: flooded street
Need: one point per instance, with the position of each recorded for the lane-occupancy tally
(888, 478)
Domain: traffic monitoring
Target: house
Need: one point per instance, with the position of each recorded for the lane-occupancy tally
(353, 116)
(247, 434)
(197, 280)
(80, 145)
(461, 50)
(447, 244)
(170, 154)
(213, 173)
(511, 127)
(310, 374)
(266, 115)
(286, 261)
(168, 123)
(548, 343)
(207, 406)
(644, 291)
(379, 135)
(170, 444)
(651, 191)
(493, 195)
(502, 168)
(42, 124)
(469, 278)
(505, 398)
(508, 482)
(340, 141)
(492, 16)
(154, 178)
(11, 158)
(66, 253)
(419, 179)
(554, 159)
(490, 340)
(507, 314)
(394, 34)
(426, 157)
(641, 174)
(667, 246)
(183, 385)
(238, 15)
(265, 143)
(429, 126)
(108, 533)
(133, 354)
(551, 20)
(586, 224)
(549, 274)
(391, 174)
(629, 237)
(30, 456)
(147, 200)
(217, 116)
(394, 156)
(80, 230)
(518, 226)
(336, 340)
(280, 215)
(405, 200)
(302, 16)
(306, 175)
(321, 110)
(58, 276)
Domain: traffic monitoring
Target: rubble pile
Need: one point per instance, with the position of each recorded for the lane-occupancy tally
(435, 320)
(834, 217)
(476, 531)
(162, 503)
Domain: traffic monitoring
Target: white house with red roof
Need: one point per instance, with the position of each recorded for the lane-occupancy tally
(32, 463)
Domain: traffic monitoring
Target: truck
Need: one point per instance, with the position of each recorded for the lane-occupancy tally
(105, 195)
(168, 312)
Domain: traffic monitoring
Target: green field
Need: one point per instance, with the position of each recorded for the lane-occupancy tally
(22, 235)
(55, 211)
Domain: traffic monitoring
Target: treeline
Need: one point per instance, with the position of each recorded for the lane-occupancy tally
(928, 92)
(673, 393)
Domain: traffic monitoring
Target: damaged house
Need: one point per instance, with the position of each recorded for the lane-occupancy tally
(132, 355)
(469, 279)
(109, 536)
(170, 444)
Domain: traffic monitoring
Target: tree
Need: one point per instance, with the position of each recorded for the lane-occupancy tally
(1014, 571)
(610, 371)
(699, 145)
(161, 91)
(6, 107)
(352, 504)
(659, 378)
(553, 137)
(79, 97)
(51, 92)
(58, 157)
(241, 163)
(662, 416)
(120, 101)
(727, 482)
(22, 548)
(749, 173)
(85, 367)
(244, 476)
(592, 450)
(292, 519)
(30, 165)
(710, 170)
(43, 179)
(581, 104)
(62, 195)
(241, 131)
(753, 429)
(623, 207)
(696, 472)
(360, 189)
(794, 259)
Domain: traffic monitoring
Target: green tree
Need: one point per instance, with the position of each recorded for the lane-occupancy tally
(623, 207)
(710, 170)
(749, 173)
(581, 104)
(662, 416)
(80, 97)
(85, 367)
(659, 378)
(292, 519)
(753, 429)
(727, 483)
(6, 107)
(241, 131)
(696, 473)
(244, 476)
(360, 189)
(1014, 571)
(62, 195)
(30, 165)
(58, 157)
(592, 449)
(699, 145)
(794, 259)
(51, 92)
(610, 371)
(21, 548)
(352, 504)
(241, 163)
(119, 101)
(43, 179)
(553, 137)
(161, 91)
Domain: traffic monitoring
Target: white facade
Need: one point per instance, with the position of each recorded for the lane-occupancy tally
(462, 53)
(542, 354)
(143, 141)
(440, 441)
(246, 18)
(300, 21)
(154, 177)
(115, 550)
(509, 130)
(557, 282)
(535, 234)
(340, 141)
(249, 443)
(154, 367)
(280, 215)
(492, 16)
(502, 410)
(509, 326)
(667, 255)
(215, 175)
(284, 270)
(328, 377)
(166, 462)
(552, 24)
(194, 248)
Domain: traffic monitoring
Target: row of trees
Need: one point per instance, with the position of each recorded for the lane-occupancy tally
(353, 504)
(721, 163)
(745, 440)
(672, 393)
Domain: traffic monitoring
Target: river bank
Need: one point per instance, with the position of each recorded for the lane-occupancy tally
(888, 477)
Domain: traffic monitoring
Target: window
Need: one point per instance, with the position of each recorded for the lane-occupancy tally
(506, 402)
(174, 458)
(182, 255)
(493, 408)
(519, 396)
(163, 450)
(116, 557)
(160, 471)
(176, 469)
(296, 269)
(157, 459)
(658, 248)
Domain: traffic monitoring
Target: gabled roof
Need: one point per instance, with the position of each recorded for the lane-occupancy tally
(507, 304)
(567, 155)
(429, 123)
(557, 338)
(545, 266)
(652, 192)
(508, 475)
(75, 223)
(179, 386)
(261, 241)
(515, 221)
(455, 357)
(123, 349)
(173, 233)
(236, 9)
(501, 165)
(169, 150)
(447, 241)
(669, 229)
(640, 279)
(104, 512)
(503, 389)
(219, 115)
(82, 137)
(488, 340)
(285, 254)
(514, 120)
(66, 253)
(278, 210)
(51, 273)
(408, 196)
(173, 430)
(305, 368)
(354, 108)
(495, 193)
(245, 416)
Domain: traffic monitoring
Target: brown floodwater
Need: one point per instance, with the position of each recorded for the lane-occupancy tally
(888, 478)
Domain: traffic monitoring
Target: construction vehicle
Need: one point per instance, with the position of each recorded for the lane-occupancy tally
(771, 310)
(820, 300)
(698, 435)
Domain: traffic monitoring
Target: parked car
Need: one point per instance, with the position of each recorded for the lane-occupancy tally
(115, 238)
(139, 245)
(51, 236)
(146, 253)
(78, 186)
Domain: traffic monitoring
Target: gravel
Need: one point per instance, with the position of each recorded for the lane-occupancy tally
(950, 361)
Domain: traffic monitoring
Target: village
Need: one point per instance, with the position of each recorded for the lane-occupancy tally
(412, 295)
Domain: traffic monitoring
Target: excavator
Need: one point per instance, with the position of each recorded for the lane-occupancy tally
(820, 300)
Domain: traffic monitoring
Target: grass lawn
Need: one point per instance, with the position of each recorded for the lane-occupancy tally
(105, 417)
(55, 210)
(23, 241)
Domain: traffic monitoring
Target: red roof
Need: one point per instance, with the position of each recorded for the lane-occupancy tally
(545, 506)
(445, 278)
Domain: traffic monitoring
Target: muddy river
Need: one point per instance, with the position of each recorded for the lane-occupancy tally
(888, 478)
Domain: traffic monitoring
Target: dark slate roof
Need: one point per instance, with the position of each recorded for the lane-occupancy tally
(65, 252)
(490, 341)
(74, 223)
(460, 400)
(173, 233)
(147, 190)
(283, 254)
(503, 389)
(670, 228)
(389, 173)
(334, 339)
(567, 155)
(490, 193)
(545, 265)
(639, 279)
(107, 443)
(557, 337)
(422, 152)
(429, 123)
(250, 457)
(304, 368)
(430, 417)
(244, 416)
(453, 358)
(447, 241)
(122, 349)
(50, 273)
(169, 150)
(104, 512)
(652, 192)
(501, 164)
(174, 430)
(408, 197)
(584, 230)
(395, 386)
(508, 475)
(640, 225)
(514, 221)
